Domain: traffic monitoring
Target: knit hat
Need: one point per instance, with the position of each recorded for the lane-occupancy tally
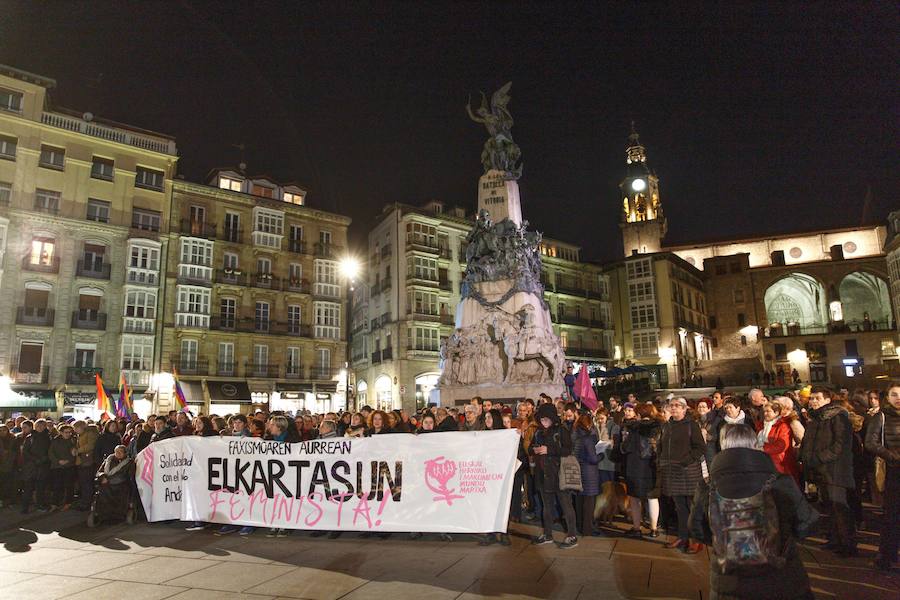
(628, 405)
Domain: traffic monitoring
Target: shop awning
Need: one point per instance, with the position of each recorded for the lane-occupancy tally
(193, 391)
(28, 400)
(229, 392)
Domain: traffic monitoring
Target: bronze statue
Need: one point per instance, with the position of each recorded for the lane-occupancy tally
(500, 151)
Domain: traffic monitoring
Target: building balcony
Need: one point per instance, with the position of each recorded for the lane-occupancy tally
(423, 316)
(259, 370)
(122, 136)
(136, 378)
(323, 373)
(323, 250)
(569, 288)
(330, 291)
(328, 332)
(448, 319)
(192, 320)
(45, 265)
(423, 246)
(387, 353)
(776, 330)
(223, 323)
(139, 325)
(82, 375)
(422, 279)
(231, 277)
(461, 257)
(138, 276)
(92, 269)
(198, 229)
(446, 285)
(35, 316)
(24, 375)
(265, 281)
(385, 251)
(266, 239)
(297, 329)
(300, 286)
(88, 319)
(385, 318)
(690, 326)
(413, 350)
(226, 369)
(297, 246)
(189, 365)
(580, 321)
(597, 295)
(233, 235)
(376, 357)
(143, 231)
(48, 209)
(575, 351)
(292, 371)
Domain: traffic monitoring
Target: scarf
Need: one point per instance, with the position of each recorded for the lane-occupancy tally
(763, 436)
(738, 420)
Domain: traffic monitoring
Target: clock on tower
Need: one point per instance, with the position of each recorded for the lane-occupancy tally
(643, 223)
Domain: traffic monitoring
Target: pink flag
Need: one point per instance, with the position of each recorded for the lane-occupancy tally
(583, 388)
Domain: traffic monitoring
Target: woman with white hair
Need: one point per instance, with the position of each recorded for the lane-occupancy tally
(741, 470)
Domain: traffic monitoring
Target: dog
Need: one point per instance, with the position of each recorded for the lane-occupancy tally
(613, 500)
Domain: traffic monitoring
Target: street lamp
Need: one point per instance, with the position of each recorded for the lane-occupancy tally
(349, 268)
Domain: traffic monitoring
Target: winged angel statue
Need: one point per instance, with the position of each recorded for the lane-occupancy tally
(500, 151)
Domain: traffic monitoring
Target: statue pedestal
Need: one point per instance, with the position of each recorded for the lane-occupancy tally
(509, 394)
(500, 197)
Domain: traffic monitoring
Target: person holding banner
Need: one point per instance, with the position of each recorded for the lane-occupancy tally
(551, 442)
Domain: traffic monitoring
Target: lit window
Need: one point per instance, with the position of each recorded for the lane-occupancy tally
(293, 198)
(227, 183)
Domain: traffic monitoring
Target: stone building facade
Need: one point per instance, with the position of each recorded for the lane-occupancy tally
(255, 306)
(406, 306)
(83, 203)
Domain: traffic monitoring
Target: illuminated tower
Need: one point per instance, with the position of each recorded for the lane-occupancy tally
(643, 222)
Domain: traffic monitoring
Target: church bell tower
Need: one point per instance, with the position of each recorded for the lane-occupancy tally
(643, 223)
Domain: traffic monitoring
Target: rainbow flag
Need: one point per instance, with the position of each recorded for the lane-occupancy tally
(103, 402)
(123, 406)
(179, 394)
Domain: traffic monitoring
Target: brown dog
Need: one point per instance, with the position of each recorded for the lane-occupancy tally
(613, 500)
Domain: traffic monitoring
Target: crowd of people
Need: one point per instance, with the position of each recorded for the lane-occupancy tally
(811, 449)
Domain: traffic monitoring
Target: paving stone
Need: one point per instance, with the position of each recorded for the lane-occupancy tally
(156, 569)
(314, 584)
(39, 558)
(231, 578)
(216, 595)
(116, 590)
(47, 587)
(484, 589)
(400, 589)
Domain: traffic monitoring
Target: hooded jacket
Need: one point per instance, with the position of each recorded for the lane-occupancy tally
(84, 448)
(558, 442)
(887, 419)
(741, 473)
(827, 452)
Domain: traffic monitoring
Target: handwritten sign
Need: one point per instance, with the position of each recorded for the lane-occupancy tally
(442, 482)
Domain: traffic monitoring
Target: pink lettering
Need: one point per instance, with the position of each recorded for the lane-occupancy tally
(362, 511)
(318, 509)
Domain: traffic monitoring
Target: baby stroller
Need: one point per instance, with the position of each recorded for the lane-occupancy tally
(113, 498)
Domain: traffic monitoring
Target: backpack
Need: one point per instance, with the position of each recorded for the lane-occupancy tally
(745, 531)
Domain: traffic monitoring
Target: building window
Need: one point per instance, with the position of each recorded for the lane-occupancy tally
(228, 183)
(427, 339)
(102, 168)
(97, 210)
(46, 201)
(643, 316)
(743, 340)
(328, 320)
(227, 312)
(326, 278)
(261, 315)
(738, 295)
(260, 355)
(189, 355)
(150, 179)
(263, 190)
(196, 252)
(294, 315)
(295, 272)
(193, 307)
(715, 342)
(137, 353)
(638, 268)
(742, 320)
(421, 234)
(325, 237)
(43, 251)
(850, 348)
(30, 359)
(423, 303)
(52, 157)
(10, 100)
(268, 227)
(293, 198)
(5, 195)
(645, 343)
(713, 323)
(638, 292)
(226, 358)
(232, 227)
(780, 351)
(229, 261)
(292, 356)
(8, 147)
(424, 268)
(140, 304)
(143, 266)
(145, 220)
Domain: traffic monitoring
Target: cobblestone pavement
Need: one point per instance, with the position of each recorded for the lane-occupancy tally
(54, 555)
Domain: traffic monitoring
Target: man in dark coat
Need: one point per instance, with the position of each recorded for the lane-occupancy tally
(883, 440)
(162, 431)
(740, 471)
(35, 463)
(827, 456)
(681, 448)
(550, 443)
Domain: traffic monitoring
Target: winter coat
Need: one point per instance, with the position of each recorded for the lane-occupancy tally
(478, 425)
(826, 451)
(106, 445)
(712, 423)
(162, 435)
(583, 444)
(84, 447)
(448, 424)
(640, 471)
(605, 463)
(780, 449)
(8, 450)
(558, 443)
(888, 419)
(681, 447)
(35, 455)
(116, 471)
(61, 449)
(741, 473)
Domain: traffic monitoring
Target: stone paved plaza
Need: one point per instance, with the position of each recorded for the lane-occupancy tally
(47, 556)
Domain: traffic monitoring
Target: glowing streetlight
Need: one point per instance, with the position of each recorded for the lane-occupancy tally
(349, 268)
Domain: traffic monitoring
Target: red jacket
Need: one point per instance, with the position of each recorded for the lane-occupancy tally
(779, 448)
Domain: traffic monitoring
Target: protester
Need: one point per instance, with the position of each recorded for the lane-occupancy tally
(584, 443)
(8, 454)
(107, 442)
(828, 460)
(377, 423)
(883, 440)
(681, 448)
(607, 432)
(551, 442)
(85, 462)
(637, 445)
(740, 470)
(35, 450)
(775, 439)
(62, 468)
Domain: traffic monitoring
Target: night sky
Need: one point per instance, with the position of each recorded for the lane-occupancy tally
(759, 119)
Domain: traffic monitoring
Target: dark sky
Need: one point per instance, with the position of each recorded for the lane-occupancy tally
(761, 118)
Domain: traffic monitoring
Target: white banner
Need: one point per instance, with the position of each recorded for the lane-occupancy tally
(453, 482)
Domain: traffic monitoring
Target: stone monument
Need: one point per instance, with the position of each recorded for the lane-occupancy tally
(504, 347)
